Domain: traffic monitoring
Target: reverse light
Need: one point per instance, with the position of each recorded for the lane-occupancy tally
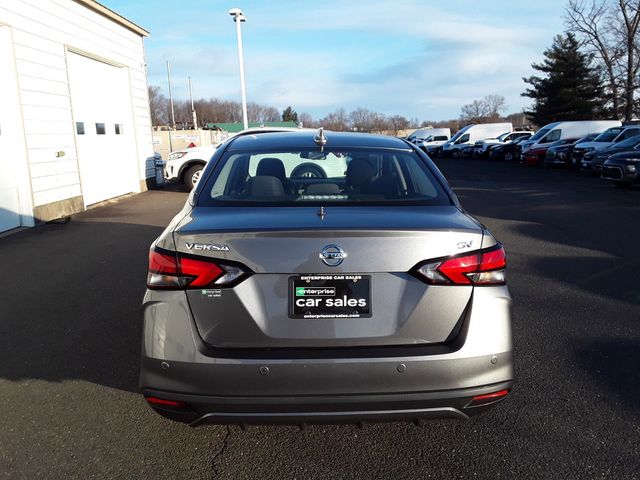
(171, 270)
(483, 267)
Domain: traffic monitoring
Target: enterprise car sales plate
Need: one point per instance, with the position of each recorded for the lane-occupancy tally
(330, 296)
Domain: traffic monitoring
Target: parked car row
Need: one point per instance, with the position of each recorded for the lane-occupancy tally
(599, 147)
(584, 145)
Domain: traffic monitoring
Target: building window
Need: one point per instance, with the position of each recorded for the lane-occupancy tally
(100, 130)
(119, 130)
(80, 128)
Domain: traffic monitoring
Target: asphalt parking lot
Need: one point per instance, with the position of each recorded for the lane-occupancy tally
(70, 334)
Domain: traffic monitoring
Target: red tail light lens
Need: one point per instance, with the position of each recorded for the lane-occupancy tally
(204, 272)
(171, 270)
(488, 398)
(165, 403)
(484, 267)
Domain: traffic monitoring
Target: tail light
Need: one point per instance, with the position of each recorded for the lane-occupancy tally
(484, 267)
(171, 270)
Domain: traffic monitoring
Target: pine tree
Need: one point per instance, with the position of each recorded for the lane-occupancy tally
(571, 88)
(289, 115)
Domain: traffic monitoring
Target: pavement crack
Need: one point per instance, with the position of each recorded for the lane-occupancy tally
(221, 450)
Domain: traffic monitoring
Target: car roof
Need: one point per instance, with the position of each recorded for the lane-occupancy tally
(304, 138)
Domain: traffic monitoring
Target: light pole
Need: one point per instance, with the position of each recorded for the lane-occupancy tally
(193, 110)
(239, 17)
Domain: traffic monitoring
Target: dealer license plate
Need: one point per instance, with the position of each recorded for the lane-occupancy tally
(330, 296)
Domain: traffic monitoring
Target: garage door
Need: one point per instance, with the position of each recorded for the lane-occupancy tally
(11, 136)
(101, 102)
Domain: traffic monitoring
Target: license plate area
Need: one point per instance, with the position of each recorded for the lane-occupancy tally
(330, 296)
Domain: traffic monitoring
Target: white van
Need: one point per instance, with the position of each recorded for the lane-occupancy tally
(429, 138)
(469, 135)
(555, 131)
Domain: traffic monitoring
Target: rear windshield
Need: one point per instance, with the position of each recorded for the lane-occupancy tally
(345, 177)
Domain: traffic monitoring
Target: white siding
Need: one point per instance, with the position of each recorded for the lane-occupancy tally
(42, 32)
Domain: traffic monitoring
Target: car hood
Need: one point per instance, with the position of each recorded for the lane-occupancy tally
(594, 145)
(209, 149)
(610, 151)
(624, 157)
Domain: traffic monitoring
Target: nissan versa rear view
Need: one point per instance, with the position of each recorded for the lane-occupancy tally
(361, 292)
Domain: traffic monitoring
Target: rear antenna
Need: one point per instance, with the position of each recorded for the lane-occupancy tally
(320, 139)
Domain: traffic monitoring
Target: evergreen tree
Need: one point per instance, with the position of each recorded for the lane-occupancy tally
(289, 115)
(570, 88)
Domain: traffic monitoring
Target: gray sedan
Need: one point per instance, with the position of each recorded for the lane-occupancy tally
(368, 294)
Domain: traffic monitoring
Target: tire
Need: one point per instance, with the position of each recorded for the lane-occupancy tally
(508, 157)
(192, 175)
(455, 154)
(308, 170)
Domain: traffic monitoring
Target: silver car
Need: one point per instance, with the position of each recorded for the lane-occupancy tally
(362, 296)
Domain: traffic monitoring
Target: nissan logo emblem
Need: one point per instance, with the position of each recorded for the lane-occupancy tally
(332, 255)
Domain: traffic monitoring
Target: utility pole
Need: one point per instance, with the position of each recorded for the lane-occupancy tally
(173, 115)
(193, 110)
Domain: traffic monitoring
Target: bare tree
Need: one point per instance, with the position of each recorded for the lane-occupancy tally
(362, 119)
(306, 120)
(628, 32)
(262, 113)
(495, 105)
(610, 29)
(475, 111)
(591, 21)
(481, 111)
(158, 106)
(397, 123)
(338, 121)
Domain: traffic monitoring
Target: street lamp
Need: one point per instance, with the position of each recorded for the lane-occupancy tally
(239, 17)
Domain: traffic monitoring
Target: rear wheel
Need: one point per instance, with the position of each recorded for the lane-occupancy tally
(192, 175)
(455, 154)
(508, 156)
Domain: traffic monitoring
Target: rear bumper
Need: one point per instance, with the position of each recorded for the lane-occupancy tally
(400, 383)
(197, 410)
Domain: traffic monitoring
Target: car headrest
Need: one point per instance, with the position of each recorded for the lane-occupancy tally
(359, 173)
(271, 167)
(265, 186)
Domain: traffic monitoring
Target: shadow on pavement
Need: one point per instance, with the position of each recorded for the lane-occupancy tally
(71, 297)
(551, 206)
(614, 365)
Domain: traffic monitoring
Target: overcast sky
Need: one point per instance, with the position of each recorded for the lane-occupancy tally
(418, 59)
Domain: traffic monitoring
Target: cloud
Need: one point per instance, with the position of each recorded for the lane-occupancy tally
(411, 58)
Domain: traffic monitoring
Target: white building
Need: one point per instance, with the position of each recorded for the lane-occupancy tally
(75, 127)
